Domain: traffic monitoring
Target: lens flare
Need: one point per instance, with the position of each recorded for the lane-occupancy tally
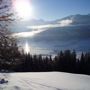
(26, 48)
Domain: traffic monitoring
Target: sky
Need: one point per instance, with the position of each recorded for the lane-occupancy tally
(56, 9)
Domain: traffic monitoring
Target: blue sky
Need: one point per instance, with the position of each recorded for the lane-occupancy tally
(55, 9)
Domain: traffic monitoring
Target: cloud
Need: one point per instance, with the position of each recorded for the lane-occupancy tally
(40, 28)
(62, 23)
(66, 22)
(27, 34)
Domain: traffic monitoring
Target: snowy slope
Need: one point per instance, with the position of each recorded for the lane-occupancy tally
(45, 81)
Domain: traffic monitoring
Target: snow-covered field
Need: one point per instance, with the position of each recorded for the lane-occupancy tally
(45, 81)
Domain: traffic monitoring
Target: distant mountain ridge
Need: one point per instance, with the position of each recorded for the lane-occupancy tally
(77, 19)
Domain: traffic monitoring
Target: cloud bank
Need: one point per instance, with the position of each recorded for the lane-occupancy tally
(61, 23)
(40, 28)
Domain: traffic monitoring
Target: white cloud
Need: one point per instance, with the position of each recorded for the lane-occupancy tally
(66, 22)
(27, 34)
(40, 28)
(62, 23)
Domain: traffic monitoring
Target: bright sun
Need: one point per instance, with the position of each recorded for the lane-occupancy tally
(23, 9)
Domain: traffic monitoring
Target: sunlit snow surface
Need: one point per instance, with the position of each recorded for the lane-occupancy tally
(45, 81)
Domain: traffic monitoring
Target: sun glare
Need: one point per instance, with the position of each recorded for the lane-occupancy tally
(23, 9)
(26, 48)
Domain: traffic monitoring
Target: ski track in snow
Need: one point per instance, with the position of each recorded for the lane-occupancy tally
(35, 84)
(26, 83)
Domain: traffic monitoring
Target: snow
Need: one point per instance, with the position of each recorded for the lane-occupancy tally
(45, 81)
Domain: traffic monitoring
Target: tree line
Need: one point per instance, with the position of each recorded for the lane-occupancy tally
(65, 61)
